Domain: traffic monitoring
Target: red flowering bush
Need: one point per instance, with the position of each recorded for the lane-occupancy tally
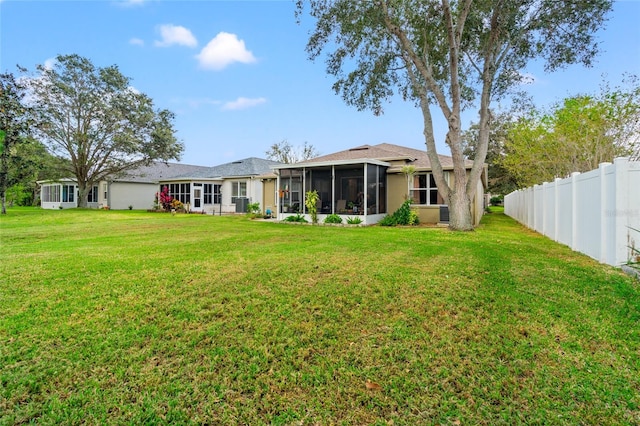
(164, 200)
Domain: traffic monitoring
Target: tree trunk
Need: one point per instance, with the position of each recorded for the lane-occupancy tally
(460, 217)
(82, 196)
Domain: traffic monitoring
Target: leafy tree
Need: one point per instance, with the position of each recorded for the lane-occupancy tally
(93, 117)
(500, 180)
(284, 152)
(575, 135)
(14, 126)
(29, 162)
(448, 55)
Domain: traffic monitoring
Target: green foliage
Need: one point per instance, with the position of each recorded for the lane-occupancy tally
(403, 216)
(296, 218)
(388, 220)
(496, 200)
(14, 124)
(253, 208)
(109, 128)
(333, 218)
(19, 195)
(575, 135)
(355, 220)
(311, 202)
(500, 180)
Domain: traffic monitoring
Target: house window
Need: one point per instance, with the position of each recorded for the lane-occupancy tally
(92, 197)
(208, 193)
(238, 190)
(68, 193)
(104, 190)
(425, 191)
(50, 193)
(217, 193)
(180, 191)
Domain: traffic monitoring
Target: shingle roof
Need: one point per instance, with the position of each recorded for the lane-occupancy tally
(248, 167)
(385, 152)
(251, 166)
(159, 170)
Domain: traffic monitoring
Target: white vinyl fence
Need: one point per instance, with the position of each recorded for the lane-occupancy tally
(594, 213)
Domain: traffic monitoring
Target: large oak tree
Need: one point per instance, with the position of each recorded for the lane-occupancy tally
(447, 56)
(96, 119)
(14, 127)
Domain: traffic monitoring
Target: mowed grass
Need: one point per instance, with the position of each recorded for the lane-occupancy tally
(111, 317)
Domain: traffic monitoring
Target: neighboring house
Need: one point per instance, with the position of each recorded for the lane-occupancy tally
(136, 188)
(368, 181)
(227, 188)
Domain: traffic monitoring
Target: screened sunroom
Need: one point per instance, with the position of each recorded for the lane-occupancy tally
(346, 188)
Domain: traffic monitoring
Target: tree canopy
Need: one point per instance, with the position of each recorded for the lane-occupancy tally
(574, 135)
(14, 127)
(286, 153)
(447, 55)
(96, 119)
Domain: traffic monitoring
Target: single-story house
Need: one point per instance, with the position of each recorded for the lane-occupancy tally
(368, 181)
(201, 188)
(227, 188)
(135, 188)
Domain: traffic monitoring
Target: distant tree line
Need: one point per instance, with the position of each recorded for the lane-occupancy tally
(529, 145)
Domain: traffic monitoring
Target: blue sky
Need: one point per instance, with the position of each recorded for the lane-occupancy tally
(237, 76)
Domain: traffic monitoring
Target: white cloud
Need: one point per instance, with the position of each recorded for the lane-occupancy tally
(243, 103)
(224, 49)
(176, 34)
(50, 63)
(131, 3)
(136, 42)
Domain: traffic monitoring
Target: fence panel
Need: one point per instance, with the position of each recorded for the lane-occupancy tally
(594, 212)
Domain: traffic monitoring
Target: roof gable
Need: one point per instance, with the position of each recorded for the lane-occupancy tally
(385, 152)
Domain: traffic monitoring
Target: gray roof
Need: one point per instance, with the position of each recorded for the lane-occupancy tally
(251, 166)
(158, 171)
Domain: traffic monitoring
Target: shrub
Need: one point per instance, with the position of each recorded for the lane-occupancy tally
(354, 220)
(311, 202)
(333, 218)
(496, 200)
(403, 216)
(253, 208)
(296, 218)
(388, 220)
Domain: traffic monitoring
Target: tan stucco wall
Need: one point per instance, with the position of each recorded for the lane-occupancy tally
(428, 214)
(269, 196)
(396, 191)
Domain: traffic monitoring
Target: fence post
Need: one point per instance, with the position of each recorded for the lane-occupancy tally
(602, 170)
(574, 211)
(556, 210)
(621, 211)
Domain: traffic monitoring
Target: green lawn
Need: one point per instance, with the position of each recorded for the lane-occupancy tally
(110, 317)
